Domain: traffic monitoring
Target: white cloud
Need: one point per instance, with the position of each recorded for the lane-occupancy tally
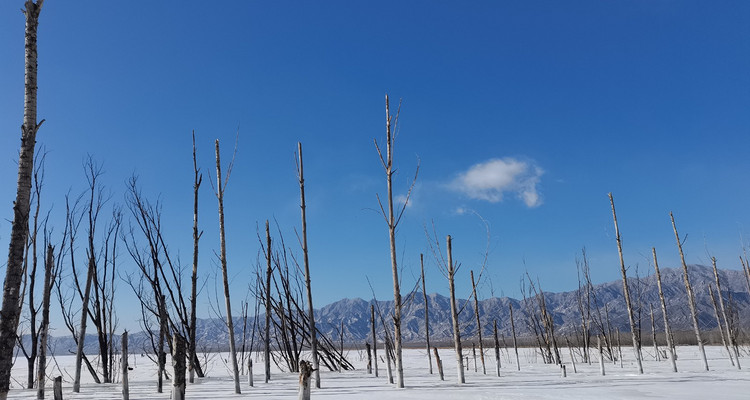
(493, 179)
(400, 199)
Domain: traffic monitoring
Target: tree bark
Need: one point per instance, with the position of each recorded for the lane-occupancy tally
(124, 355)
(178, 363)
(626, 291)
(11, 309)
(426, 313)
(57, 388)
(667, 329)
(439, 363)
(225, 275)
(310, 310)
(691, 297)
(653, 333)
(601, 355)
(41, 374)
(305, 370)
(454, 315)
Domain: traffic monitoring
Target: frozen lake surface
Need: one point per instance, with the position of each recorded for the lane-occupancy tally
(535, 380)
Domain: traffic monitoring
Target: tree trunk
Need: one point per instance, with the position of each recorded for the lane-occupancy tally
(374, 339)
(369, 358)
(197, 179)
(57, 389)
(691, 297)
(515, 341)
(391, 220)
(426, 314)
(439, 363)
(479, 324)
(601, 355)
(305, 370)
(730, 337)
(724, 341)
(250, 371)
(454, 315)
(497, 350)
(313, 331)
(160, 345)
(178, 363)
(225, 275)
(11, 308)
(82, 326)
(124, 355)
(388, 360)
(667, 329)
(41, 374)
(267, 336)
(653, 333)
(626, 291)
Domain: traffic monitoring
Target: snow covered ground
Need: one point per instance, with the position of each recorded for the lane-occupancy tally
(535, 380)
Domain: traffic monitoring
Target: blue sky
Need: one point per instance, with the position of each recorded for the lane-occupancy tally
(525, 113)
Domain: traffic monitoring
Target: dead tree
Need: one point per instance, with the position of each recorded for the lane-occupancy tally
(192, 357)
(730, 337)
(11, 310)
(374, 338)
(479, 324)
(450, 271)
(392, 221)
(653, 332)
(626, 291)
(724, 340)
(310, 310)
(124, 356)
(691, 297)
(515, 340)
(426, 313)
(223, 258)
(497, 349)
(49, 266)
(667, 329)
(178, 363)
(583, 297)
(267, 336)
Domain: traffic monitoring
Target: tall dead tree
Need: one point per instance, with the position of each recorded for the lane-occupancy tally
(730, 336)
(479, 324)
(515, 340)
(374, 339)
(223, 258)
(691, 296)
(451, 272)
(391, 124)
(49, 266)
(719, 324)
(426, 313)
(626, 291)
(667, 329)
(192, 357)
(310, 310)
(11, 309)
(267, 336)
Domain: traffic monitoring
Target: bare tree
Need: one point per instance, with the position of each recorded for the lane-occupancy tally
(392, 221)
(311, 317)
(426, 313)
(450, 271)
(724, 340)
(691, 297)
(49, 266)
(267, 336)
(223, 258)
(667, 330)
(626, 291)
(11, 309)
(730, 337)
(197, 179)
(479, 324)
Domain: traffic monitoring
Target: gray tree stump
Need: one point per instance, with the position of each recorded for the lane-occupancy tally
(305, 370)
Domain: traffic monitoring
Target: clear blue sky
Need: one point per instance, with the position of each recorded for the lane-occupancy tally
(526, 113)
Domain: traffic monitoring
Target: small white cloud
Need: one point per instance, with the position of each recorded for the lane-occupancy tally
(401, 200)
(493, 179)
